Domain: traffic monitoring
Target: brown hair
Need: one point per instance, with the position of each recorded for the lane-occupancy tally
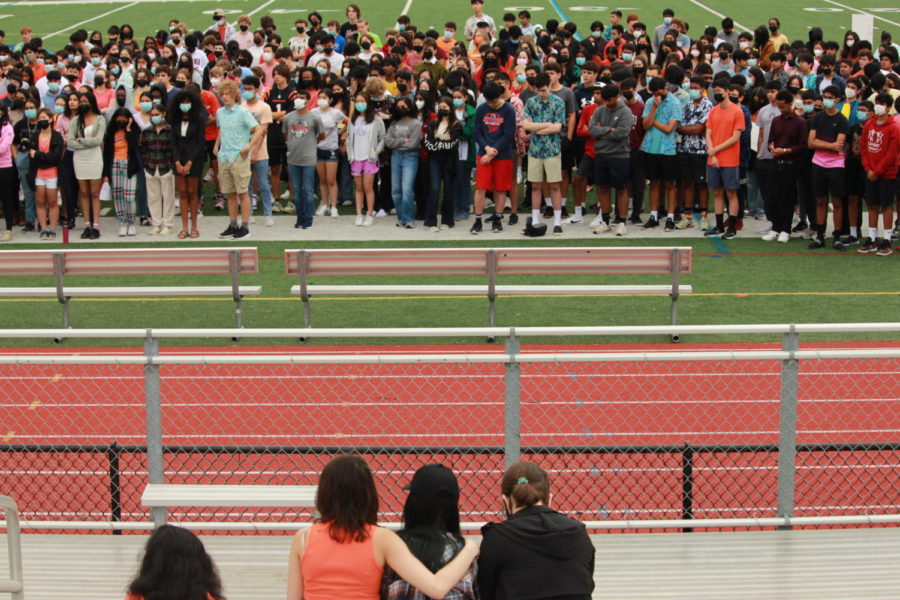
(347, 499)
(526, 484)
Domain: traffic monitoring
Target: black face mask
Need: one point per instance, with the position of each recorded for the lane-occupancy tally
(443, 112)
(628, 95)
(218, 54)
(402, 110)
(84, 109)
(827, 71)
(723, 55)
(402, 88)
(244, 27)
(735, 99)
(98, 81)
(18, 104)
(121, 124)
(718, 97)
(257, 41)
(365, 45)
(43, 124)
(141, 82)
(772, 28)
(120, 101)
(179, 84)
(301, 29)
(428, 55)
(793, 89)
(329, 50)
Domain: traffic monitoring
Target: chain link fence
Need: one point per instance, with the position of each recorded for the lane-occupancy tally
(625, 437)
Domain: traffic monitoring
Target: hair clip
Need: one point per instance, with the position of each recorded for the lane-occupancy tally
(522, 480)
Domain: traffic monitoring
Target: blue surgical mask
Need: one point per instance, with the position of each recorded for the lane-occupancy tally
(53, 87)
(580, 60)
(157, 119)
(521, 78)
(828, 103)
(667, 20)
(185, 107)
(861, 116)
(95, 61)
(627, 56)
(58, 110)
(361, 107)
(31, 113)
(808, 108)
(458, 102)
(596, 34)
(51, 68)
(686, 85)
(695, 94)
(751, 62)
(322, 70)
(248, 95)
(115, 70)
(146, 106)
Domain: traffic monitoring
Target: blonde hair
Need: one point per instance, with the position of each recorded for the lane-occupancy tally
(229, 87)
(375, 87)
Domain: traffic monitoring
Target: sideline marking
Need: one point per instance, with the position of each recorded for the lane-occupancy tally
(720, 246)
(406, 7)
(563, 17)
(862, 12)
(100, 16)
(260, 7)
(720, 15)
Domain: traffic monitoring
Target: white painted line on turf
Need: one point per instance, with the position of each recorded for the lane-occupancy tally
(84, 2)
(406, 7)
(260, 7)
(862, 12)
(720, 15)
(100, 16)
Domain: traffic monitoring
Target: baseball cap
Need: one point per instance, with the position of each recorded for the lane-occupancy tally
(434, 481)
(219, 12)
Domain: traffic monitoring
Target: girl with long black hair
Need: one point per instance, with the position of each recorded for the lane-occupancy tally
(187, 117)
(86, 135)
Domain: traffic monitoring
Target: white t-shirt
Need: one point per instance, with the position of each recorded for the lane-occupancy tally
(330, 121)
(362, 131)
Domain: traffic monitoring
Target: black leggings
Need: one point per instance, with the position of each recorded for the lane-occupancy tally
(9, 194)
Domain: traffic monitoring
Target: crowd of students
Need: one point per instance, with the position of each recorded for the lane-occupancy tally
(401, 122)
(536, 553)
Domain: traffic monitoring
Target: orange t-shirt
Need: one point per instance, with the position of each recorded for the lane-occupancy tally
(120, 146)
(721, 124)
(52, 172)
(333, 570)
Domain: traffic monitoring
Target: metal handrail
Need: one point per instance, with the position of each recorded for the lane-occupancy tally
(15, 584)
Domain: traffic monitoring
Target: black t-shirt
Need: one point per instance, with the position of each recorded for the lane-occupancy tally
(829, 127)
(279, 101)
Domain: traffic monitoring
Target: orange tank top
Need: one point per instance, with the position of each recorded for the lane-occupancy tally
(120, 146)
(332, 570)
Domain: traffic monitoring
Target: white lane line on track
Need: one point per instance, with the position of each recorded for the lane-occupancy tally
(861, 11)
(720, 15)
(100, 16)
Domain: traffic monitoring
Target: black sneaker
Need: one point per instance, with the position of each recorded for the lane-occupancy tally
(635, 218)
(243, 232)
(95, 233)
(496, 226)
(850, 240)
(801, 226)
(651, 223)
(86, 234)
(670, 225)
(476, 227)
(729, 233)
(513, 219)
(298, 224)
(51, 235)
(869, 246)
(548, 212)
(146, 222)
(839, 246)
(28, 227)
(565, 213)
(816, 243)
(229, 233)
(494, 217)
(714, 232)
(557, 230)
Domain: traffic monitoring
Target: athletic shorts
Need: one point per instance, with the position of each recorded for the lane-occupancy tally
(363, 167)
(547, 170)
(723, 178)
(661, 167)
(568, 158)
(277, 155)
(828, 182)
(880, 193)
(692, 168)
(210, 144)
(496, 175)
(327, 155)
(854, 179)
(234, 177)
(611, 171)
(586, 168)
(49, 183)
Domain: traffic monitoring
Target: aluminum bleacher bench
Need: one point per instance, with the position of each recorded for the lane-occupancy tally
(14, 585)
(491, 263)
(121, 263)
(163, 495)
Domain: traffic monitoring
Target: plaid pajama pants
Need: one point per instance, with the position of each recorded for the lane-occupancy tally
(124, 191)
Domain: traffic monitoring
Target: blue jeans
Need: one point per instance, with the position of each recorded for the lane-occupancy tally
(754, 196)
(345, 181)
(260, 172)
(23, 162)
(403, 175)
(141, 190)
(303, 180)
(462, 189)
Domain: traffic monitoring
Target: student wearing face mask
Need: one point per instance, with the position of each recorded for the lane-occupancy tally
(120, 166)
(243, 36)
(404, 138)
(25, 130)
(46, 153)
(303, 130)
(259, 156)
(8, 175)
(880, 154)
(281, 102)
(328, 151)
(847, 211)
(221, 25)
(158, 160)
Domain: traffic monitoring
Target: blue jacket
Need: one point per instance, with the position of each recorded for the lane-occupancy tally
(835, 80)
(497, 129)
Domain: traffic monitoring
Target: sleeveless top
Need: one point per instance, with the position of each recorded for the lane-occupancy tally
(332, 570)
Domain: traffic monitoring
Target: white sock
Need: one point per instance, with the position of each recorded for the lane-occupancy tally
(563, 201)
(557, 217)
(578, 212)
(548, 202)
(873, 232)
(670, 216)
(854, 232)
(536, 216)
(654, 214)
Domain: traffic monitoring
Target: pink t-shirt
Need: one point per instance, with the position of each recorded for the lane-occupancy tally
(52, 172)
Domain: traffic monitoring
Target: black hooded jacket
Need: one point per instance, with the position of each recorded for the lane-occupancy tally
(537, 553)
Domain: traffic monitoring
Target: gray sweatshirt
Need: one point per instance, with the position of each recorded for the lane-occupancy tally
(401, 130)
(611, 129)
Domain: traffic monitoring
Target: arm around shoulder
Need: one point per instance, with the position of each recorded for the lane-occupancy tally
(400, 559)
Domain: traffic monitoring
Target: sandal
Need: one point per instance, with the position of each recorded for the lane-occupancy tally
(195, 233)
(182, 235)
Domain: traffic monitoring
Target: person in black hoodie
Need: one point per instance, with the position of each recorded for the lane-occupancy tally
(537, 553)
(120, 166)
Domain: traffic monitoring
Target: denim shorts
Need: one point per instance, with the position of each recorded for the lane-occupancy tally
(327, 155)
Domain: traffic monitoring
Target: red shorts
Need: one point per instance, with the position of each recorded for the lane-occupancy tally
(496, 175)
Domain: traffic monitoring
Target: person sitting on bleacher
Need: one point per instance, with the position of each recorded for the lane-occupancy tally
(431, 531)
(537, 553)
(175, 566)
(343, 554)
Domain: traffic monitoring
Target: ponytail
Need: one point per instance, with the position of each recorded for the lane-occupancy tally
(526, 484)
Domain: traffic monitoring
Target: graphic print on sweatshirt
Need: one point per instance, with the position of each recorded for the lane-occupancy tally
(493, 121)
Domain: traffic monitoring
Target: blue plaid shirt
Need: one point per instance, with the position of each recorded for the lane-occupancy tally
(395, 588)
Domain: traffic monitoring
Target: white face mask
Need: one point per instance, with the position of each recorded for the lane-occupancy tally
(215, 81)
(817, 52)
(695, 53)
(323, 102)
(267, 56)
(798, 103)
(744, 45)
(880, 110)
(850, 42)
(420, 104)
(299, 104)
(851, 93)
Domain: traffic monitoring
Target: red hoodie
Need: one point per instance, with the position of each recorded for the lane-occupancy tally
(879, 148)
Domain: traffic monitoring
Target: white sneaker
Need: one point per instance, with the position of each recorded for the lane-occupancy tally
(602, 227)
(380, 213)
(433, 229)
(784, 237)
(770, 237)
(704, 223)
(334, 212)
(320, 212)
(809, 233)
(571, 220)
(767, 228)
(286, 195)
(368, 220)
(132, 231)
(444, 227)
(154, 231)
(597, 220)
(208, 178)
(6, 237)
(686, 222)
(288, 208)
(359, 221)
(270, 222)
(621, 230)
(276, 208)
(252, 219)
(123, 230)
(165, 231)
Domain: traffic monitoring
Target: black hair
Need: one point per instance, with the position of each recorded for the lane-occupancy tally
(176, 566)
(346, 497)
(430, 520)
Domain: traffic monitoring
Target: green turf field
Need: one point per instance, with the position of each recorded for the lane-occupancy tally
(754, 282)
(55, 20)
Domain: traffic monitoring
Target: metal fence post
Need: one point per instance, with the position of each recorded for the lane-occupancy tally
(687, 484)
(154, 422)
(115, 485)
(787, 437)
(512, 415)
